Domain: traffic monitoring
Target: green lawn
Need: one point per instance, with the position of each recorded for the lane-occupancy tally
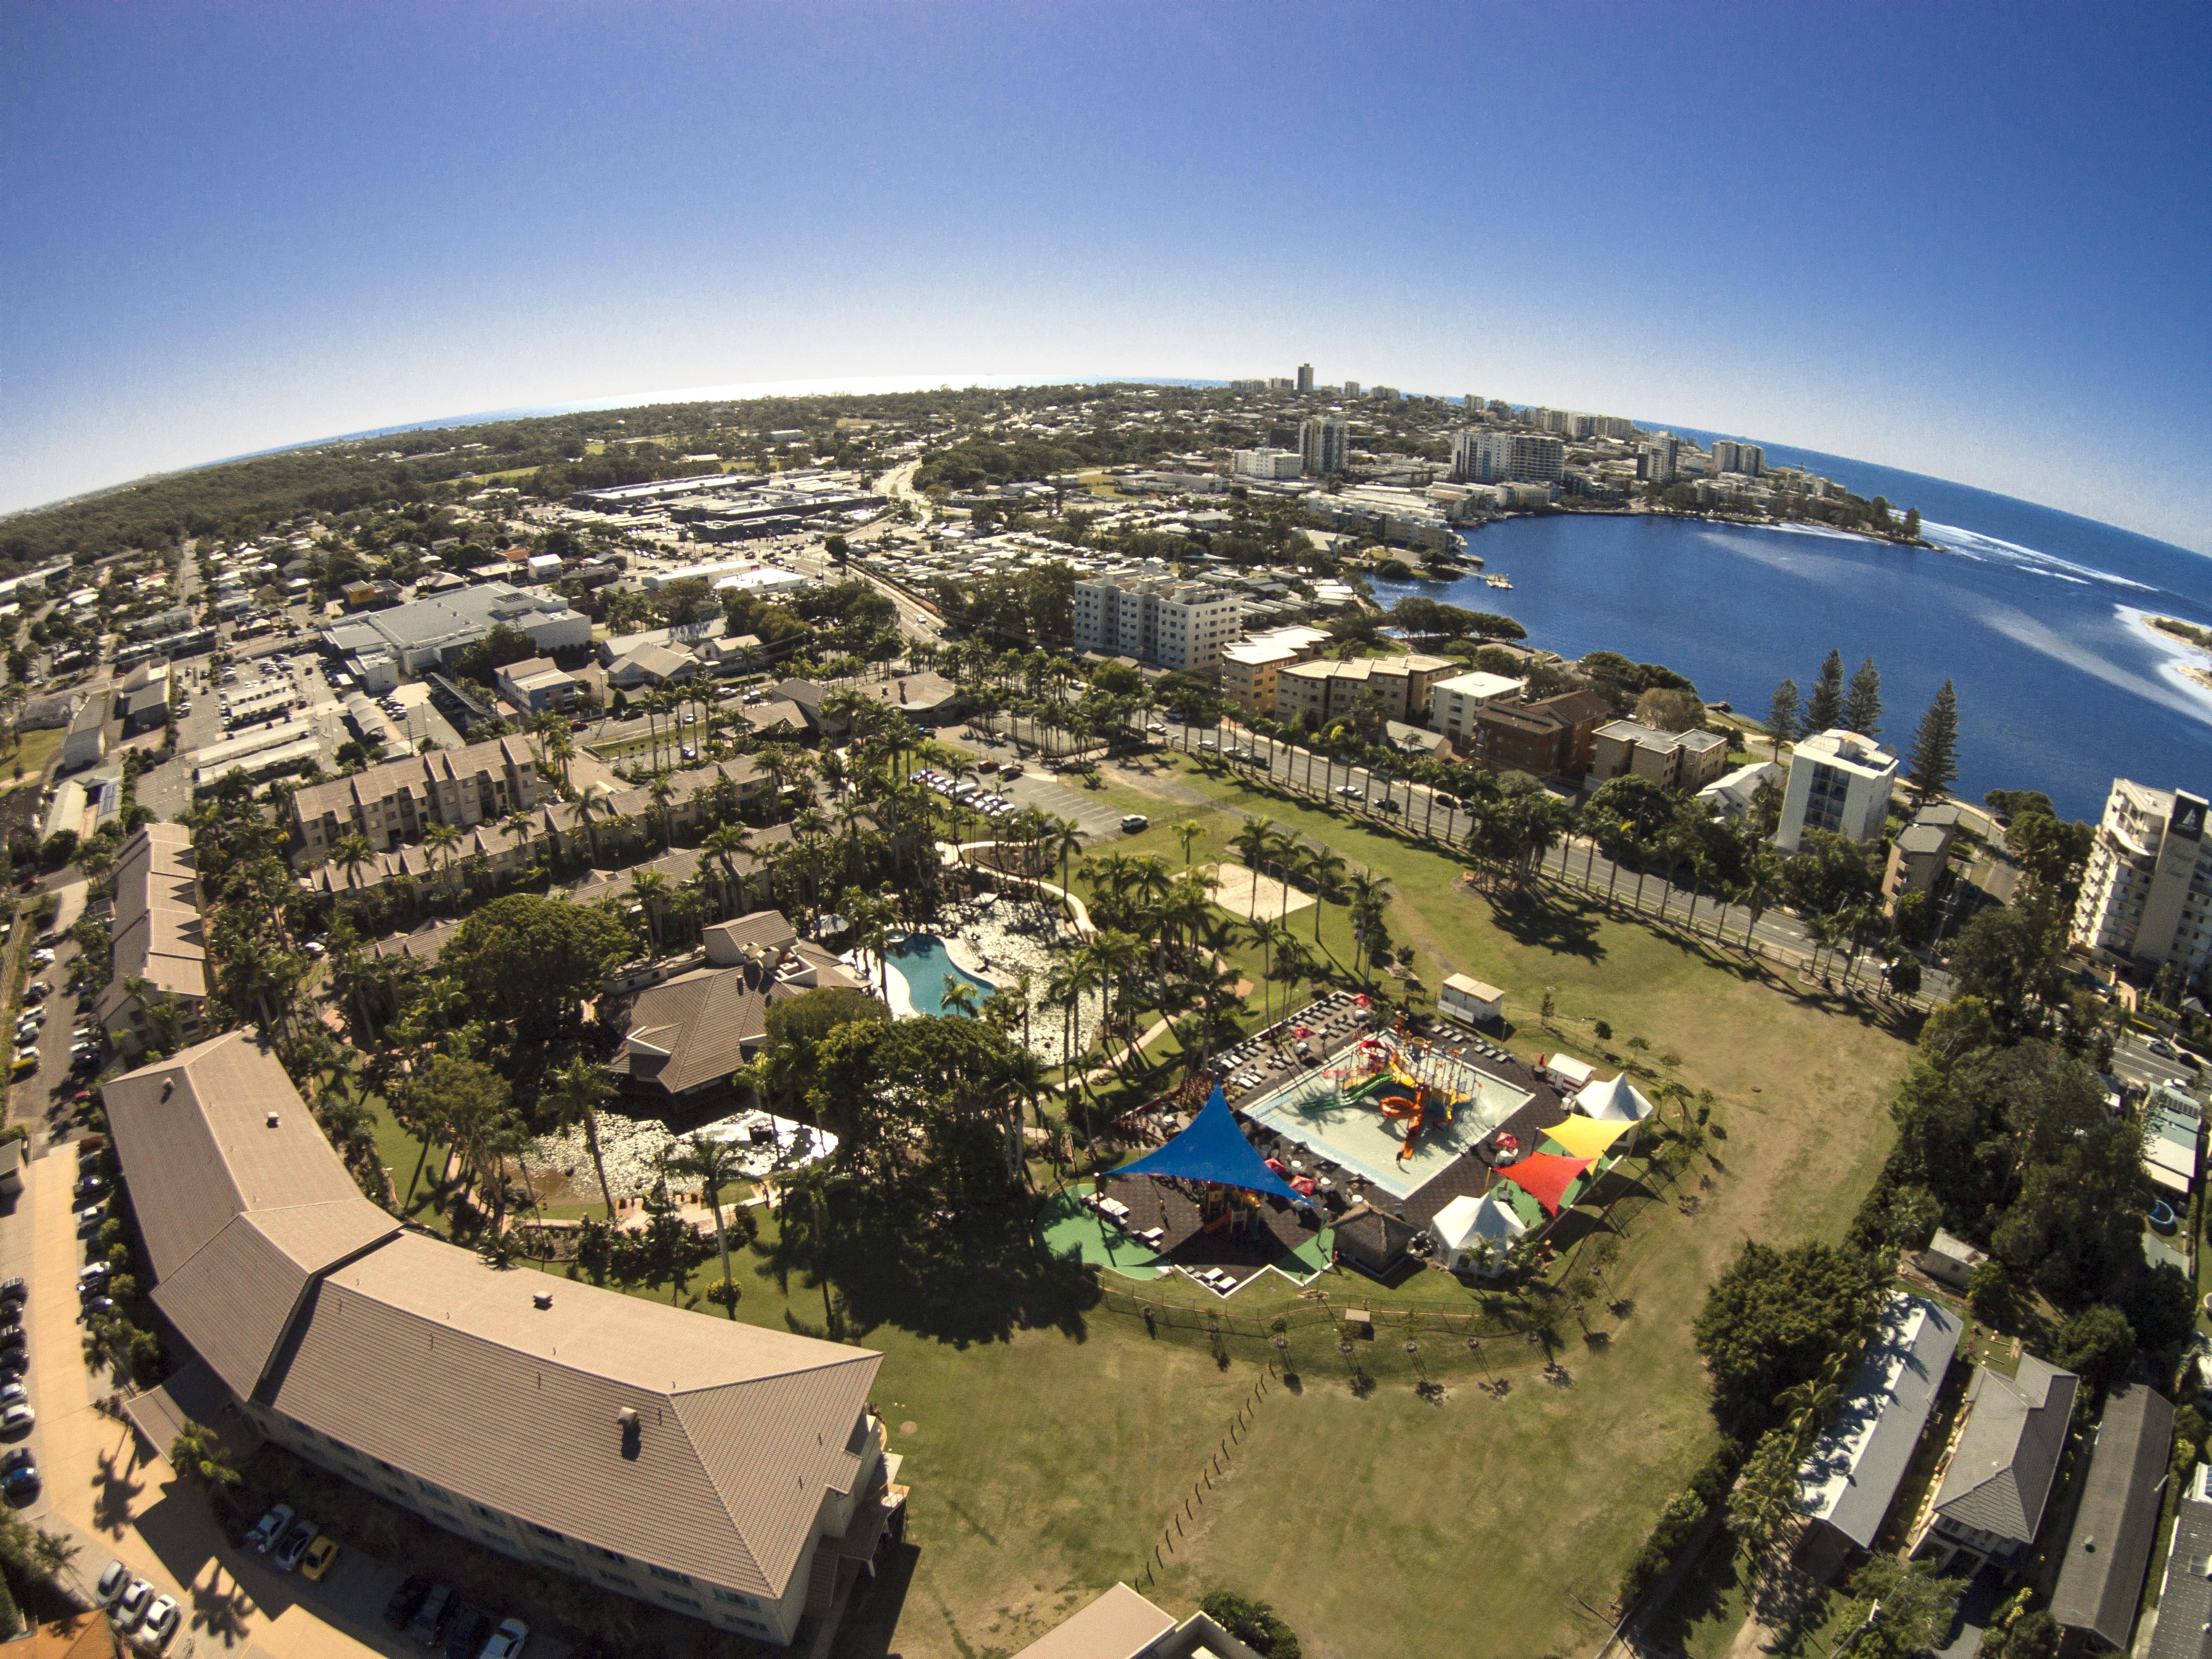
(28, 764)
(1054, 1437)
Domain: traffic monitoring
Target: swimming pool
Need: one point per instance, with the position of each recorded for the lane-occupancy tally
(927, 970)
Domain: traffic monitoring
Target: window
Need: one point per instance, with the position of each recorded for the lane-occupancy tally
(547, 1532)
(668, 1573)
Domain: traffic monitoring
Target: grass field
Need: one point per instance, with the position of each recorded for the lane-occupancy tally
(28, 764)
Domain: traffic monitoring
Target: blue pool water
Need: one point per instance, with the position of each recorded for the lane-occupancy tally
(927, 967)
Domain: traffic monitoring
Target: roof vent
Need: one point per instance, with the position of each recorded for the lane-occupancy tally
(274, 1120)
(541, 1300)
(631, 1433)
(2089, 1543)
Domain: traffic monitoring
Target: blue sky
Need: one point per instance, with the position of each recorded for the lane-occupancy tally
(1968, 240)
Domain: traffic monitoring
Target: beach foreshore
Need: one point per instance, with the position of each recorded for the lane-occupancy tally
(2164, 629)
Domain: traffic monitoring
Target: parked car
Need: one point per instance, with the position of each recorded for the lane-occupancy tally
(429, 1620)
(1135, 823)
(161, 1621)
(294, 1545)
(506, 1641)
(19, 1476)
(404, 1600)
(113, 1577)
(14, 1291)
(12, 1394)
(130, 1606)
(37, 991)
(269, 1528)
(16, 1419)
(96, 1306)
(320, 1557)
(468, 1629)
(91, 1216)
(42, 957)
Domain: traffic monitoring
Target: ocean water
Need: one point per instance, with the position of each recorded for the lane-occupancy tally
(2033, 614)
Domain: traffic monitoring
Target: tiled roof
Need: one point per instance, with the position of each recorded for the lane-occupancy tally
(2100, 1580)
(2000, 1473)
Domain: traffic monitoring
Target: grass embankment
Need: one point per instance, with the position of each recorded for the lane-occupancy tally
(27, 764)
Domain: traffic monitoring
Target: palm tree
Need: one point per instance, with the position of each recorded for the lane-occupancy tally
(959, 998)
(352, 854)
(1325, 870)
(1066, 837)
(579, 1087)
(651, 889)
(713, 1163)
(1186, 834)
(441, 843)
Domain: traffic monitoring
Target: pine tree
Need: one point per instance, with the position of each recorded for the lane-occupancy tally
(1825, 707)
(1784, 715)
(1935, 747)
(1862, 702)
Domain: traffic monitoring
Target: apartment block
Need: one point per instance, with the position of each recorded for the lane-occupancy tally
(1265, 463)
(1483, 457)
(1840, 782)
(399, 801)
(1687, 760)
(2147, 894)
(1662, 458)
(1250, 667)
(158, 941)
(1305, 377)
(1328, 690)
(1453, 700)
(1175, 625)
(726, 1472)
(1325, 443)
(1730, 456)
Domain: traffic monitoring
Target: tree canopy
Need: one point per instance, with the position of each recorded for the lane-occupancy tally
(534, 959)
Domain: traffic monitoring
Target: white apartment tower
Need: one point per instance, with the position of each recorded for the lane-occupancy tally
(1265, 463)
(1730, 456)
(1663, 458)
(1481, 457)
(1177, 625)
(1840, 782)
(1324, 445)
(2147, 895)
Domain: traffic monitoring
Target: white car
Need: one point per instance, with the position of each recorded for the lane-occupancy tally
(113, 1577)
(12, 1394)
(161, 1623)
(506, 1641)
(131, 1607)
(16, 1418)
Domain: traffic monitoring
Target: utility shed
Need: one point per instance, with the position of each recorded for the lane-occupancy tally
(2100, 1582)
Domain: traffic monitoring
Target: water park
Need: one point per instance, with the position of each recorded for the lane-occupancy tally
(1381, 1150)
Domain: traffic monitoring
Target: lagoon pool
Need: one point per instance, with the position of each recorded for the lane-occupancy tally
(921, 960)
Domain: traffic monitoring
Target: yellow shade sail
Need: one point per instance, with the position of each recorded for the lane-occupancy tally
(1583, 1137)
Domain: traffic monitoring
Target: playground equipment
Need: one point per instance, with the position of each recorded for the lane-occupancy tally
(1427, 1107)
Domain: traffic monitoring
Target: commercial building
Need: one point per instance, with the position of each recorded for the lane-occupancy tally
(1840, 782)
(2101, 1579)
(1123, 1625)
(1480, 456)
(159, 943)
(2003, 1459)
(1250, 668)
(1328, 690)
(536, 683)
(1730, 456)
(1687, 760)
(86, 744)
(1176, 625)
(430, 633)
(1325, 444)
(2147, 894)
(1265, 463)
(398, 800)
(1852, 1476)
(721, 1470)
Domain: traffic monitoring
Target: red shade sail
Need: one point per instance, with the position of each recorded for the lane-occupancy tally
(1545, 1176)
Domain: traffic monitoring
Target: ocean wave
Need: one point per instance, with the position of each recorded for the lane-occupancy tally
(1973, 544)
(2170, 688)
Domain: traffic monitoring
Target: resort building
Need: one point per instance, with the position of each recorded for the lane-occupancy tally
(2147, 895)
(1156, 619)
(1250, 668)
(1687, 761)
(2003, 1459)
(160, 948)
(2100, 1578)
(1328, 690)
(400, 799)
(721, 1470)
(1123, 1625)
(1852, 1476)
(1840, 782)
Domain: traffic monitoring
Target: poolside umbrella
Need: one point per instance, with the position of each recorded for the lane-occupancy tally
(1545, 1177)
(1588, 1138)
(1213, 1150)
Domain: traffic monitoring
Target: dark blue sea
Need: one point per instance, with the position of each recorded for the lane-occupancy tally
(2031, 612)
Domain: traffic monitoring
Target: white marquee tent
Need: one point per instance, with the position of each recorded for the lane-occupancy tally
(1614, 1101)
(1472, 1234)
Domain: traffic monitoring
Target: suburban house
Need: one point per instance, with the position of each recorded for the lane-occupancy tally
(2184, 1624)
(1123, 1625)
(1687, 760)
(2100, 1580)
(689, 1033)
(730, 1473)
(2003, 1457)
(399, 799)
(159, 942)
(651, 666)
(1732, 797)
(1852, 1476)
